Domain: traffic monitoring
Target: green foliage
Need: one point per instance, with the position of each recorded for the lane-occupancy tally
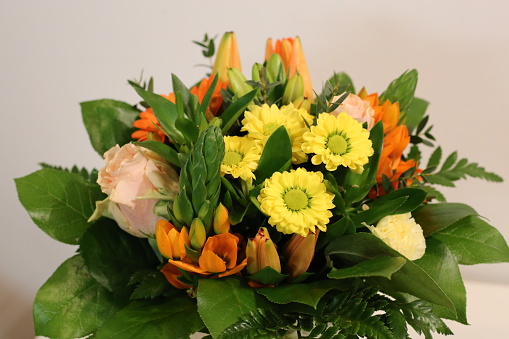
(401, 90)
(112, 255)
(72, 304)
(175, 318)
(342, 79)
(258, 323)
(381, 267)
(59, 202)
(453, 169)
(232, 294)
(421, 317)
(90, 176)
(108, 123)
(276, 156)
(208, 46)
(165, 151)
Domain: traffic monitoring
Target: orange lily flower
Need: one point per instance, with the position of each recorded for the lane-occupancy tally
(261, 252)
(219, 256)
(227, 56)
(290, 50)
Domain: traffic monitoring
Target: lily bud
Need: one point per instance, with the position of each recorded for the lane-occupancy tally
(294, 89)
(197, 234)
(276, 70)
(255, 71)
(221, 220)
(290, 50)
(302, 102)
(299, 251)
(261, 252)
(238, 82)
(170, 241)
(227, 56)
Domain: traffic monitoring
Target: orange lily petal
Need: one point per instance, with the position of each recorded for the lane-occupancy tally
(189, 267)
(234, 270)
(211, 262)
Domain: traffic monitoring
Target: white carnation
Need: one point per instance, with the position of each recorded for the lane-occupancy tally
(402, 233)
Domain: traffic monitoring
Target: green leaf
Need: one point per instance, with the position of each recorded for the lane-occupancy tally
(152, 285)
(414, 199)
(233, 294)
(268, 276)
(113, 255)
(410, 278)
(276, 156)
(473, 241)
(342, 79)
(401, 90)
(164, 110)
(308, 294)
(189, 129)
(345, 225)
(72, 304)
(378, 267)
(175, 318)
(59, 202)
(434, 217)
(373, 215)
(208, 95)
(415, 112)
(442, 267)
(165, 151)
(236, 109)
(108, 123)
(435, 157)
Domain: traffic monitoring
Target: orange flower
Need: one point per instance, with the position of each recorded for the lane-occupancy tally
(388, 112)
(172, 273)
(217, 99)
(290, 50)
(227, 56)
(299, 252)
(219, 256)
(170, 242)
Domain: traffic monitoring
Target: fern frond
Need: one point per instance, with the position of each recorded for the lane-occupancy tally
(259, 323)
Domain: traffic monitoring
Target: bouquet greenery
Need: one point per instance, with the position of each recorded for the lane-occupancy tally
(259, 209)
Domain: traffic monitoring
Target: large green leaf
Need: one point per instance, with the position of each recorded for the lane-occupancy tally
(235, 110)
(276, 156)
(221, 302)
(308, 294)
(59, 202)
(415, 197)
(434, 217)
(410, 278)
(415, 113)
(72, 304)
(378, 267)
(474, 241)
(113, 256)
(442, 267)
(175, 318)
(108, 122)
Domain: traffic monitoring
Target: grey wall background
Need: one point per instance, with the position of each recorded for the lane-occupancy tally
(55, 54)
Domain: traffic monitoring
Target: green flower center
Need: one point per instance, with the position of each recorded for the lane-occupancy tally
(337, 144)
(232, 158)
(296, 200)
(269, 128)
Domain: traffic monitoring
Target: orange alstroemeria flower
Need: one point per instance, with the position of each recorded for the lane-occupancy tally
(291, 52)
(217, 99)
(219, 256)
(388, 112)
(170, 242)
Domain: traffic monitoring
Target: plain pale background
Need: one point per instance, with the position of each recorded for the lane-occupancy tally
(55, 54)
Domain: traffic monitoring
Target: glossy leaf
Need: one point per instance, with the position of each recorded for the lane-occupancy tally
(474, 241)
(175, 318)
(113, 255)
(59, 202)
(165, 151)
(442, 267)
(373, 215)
(434, 217)
(108, 123)
(268, 276)
(410, 278)
(233, 294)
(276, 156)
(378, 267)
(308, 294)
(72, 304)
(236, 109)
(415, 197)
(415, 112)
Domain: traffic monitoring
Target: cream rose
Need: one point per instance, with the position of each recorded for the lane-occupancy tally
(357, 108)
(402, 233)
(134, 179)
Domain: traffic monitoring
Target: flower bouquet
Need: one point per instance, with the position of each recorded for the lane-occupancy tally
(259, 209)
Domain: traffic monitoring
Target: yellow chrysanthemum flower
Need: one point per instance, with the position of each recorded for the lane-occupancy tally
(296, 201)
(261, 121)
(241, 157)
(338, 141)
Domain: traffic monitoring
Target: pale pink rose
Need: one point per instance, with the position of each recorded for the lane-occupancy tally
(135, 179)
(357, 108)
